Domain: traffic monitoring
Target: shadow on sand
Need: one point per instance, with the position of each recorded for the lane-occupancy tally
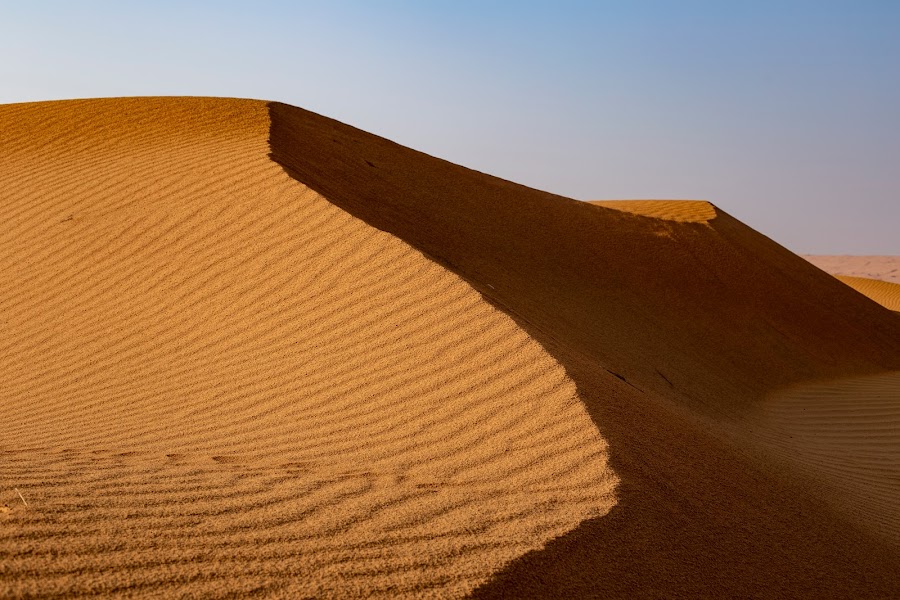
(696, 515)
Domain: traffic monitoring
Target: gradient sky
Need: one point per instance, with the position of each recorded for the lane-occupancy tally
(784, 113)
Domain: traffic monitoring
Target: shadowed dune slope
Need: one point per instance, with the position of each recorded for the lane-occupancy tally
(674, 333)
(249, 349)
(215, 382)
(714, 309)
(846, 431)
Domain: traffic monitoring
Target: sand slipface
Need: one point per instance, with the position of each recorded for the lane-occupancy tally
(249, 349)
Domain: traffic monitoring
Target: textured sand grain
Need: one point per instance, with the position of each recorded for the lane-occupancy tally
(215, 380)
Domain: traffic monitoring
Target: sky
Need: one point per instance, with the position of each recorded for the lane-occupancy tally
(785, 114)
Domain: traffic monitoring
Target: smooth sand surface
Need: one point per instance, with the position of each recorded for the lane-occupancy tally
(248, 349)
(885, 268)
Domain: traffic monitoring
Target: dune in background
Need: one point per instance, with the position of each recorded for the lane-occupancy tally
(885, 268)
(249, 349)
(884, 293)
(877, 277)
(680, 211)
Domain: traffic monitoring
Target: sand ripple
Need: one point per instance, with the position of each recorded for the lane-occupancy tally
(215, 380)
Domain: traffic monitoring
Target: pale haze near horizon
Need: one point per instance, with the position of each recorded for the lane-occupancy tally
(784, 114)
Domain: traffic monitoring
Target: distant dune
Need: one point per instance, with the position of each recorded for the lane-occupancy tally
(885, 268)
(884, 293)
(251, 350)
(877, 277)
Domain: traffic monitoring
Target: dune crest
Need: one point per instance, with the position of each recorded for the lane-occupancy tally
(680, 211)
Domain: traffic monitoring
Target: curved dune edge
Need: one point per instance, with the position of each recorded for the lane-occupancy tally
(883, 292)
(846, 433)
(680, 211)
(216, 380)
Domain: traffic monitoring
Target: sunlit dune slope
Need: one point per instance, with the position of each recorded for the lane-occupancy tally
(251, 349)
(215, 380)
(883, 292)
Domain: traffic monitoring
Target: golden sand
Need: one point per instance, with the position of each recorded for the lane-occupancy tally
(682, 211)
(211, 366)
(251, 350)
(883, 292)
(885, 268)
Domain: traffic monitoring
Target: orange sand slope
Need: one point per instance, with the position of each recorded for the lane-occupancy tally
(884, 293)
(885, 268)
(249, 349)
(216, 367)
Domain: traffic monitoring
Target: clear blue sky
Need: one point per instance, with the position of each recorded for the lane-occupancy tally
(784, 113)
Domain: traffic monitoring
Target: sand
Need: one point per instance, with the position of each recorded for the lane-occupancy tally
(883, 292)
(248, 349)
(884, 268)
(877, 277)
(212, 367)
(680, 211)
(845, 434)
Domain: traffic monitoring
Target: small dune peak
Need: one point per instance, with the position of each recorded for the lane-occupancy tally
(681, 211)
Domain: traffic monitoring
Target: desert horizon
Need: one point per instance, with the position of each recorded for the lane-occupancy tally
(252, 350)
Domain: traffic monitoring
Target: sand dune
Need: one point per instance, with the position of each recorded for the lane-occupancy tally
(885, 268)
(205, 350)
(248, 349)
(877, 277)
(884, 293)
